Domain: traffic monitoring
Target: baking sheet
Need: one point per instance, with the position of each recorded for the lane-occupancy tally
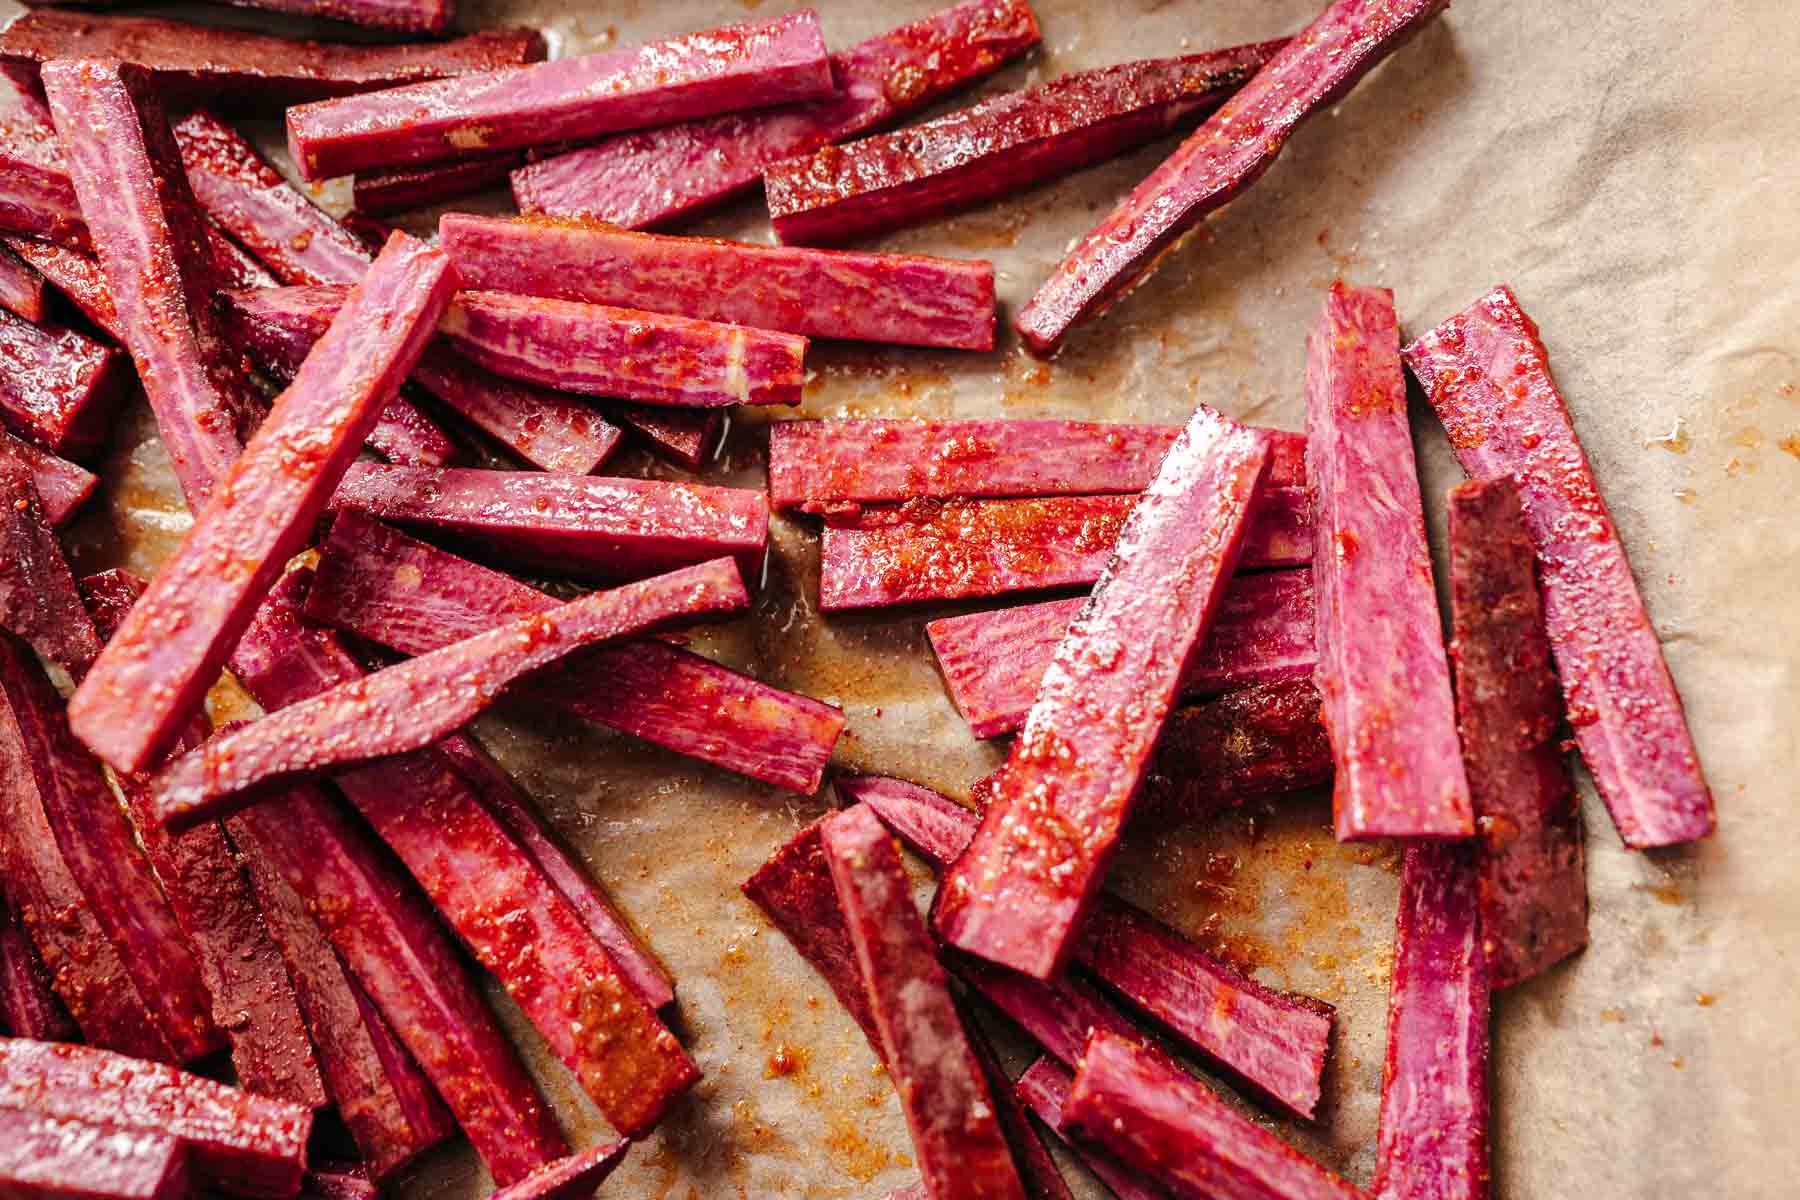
(1631, 169)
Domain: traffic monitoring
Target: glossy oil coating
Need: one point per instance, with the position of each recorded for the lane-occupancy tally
(1043, 1088)
(47, 1157)
(699, 74)
(1433, 1139)
(58, 388)
(998, 147)
(154, 673)
(38, 600)
(390, 1107)
(955, 549)
(579, 525)
(386, 934)
(551, 430)
(651, 179)
(961, 1150)
(254, 72)
(993, 662)
(571, 1178)
(151, 238)
(626, 353)
(906, 299)
(1222, 158)
(21, 288)
(385, 587)
(62, 487)
(1134, 1101)
(236, 1142)
(1382, 667)
(413, 704)
(1019, 893)
(1509, 711)
(1274, 1041)
(28, 1004)
(832, 466)
(1488, 376)
(106, 863)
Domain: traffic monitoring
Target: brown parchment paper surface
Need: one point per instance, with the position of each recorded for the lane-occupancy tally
(1631, 168)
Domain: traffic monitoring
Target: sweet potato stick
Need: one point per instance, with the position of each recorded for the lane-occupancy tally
(47, 1157)
(411, 705)
(156, 670)
(647, 180)
(907, 299)
(1000, 146)
(1021, 889)
(956, 1133)
(1132, 1100)
(62, 487)
(76, 276)
(21, 288)
(379, 193)
(253, 1000)
(1276, 1042)
(687, 437)
(1044, 1087)
(246, 1145)
(696, 75)
(396, 16)
(507, 801)
(254, 72)
(1533, 885)
(550, 430)
(387, 936)
(571, 1178)
(36, 198)
(993, 662)
(1488, 376)
(929, 550)
(387, 588)
(1036, 1168)
(833, 466)
(152, 244)
(28, 1004)
(104, 859)
(1382, 667)
(58, 388)
(38, 600)
(1432, 1143)
(1220, 159)
(625, 353)
(594, 526)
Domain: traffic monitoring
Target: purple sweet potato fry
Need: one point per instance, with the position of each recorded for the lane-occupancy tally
(52, 1158)
(380, 193)
(28, 1004)
(1032, 1158)
(62, 487)
(21, 288)
(38, 600)
(58, 388)
(1044, 1087)
(571, 1178)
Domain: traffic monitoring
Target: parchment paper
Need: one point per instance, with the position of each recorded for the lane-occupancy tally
(1630, 167)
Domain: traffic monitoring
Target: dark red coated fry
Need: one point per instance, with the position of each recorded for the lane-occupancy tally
(1220, 159)
(625, 353)
(1488, 377)
(906, 299)
(927, 550)
(1043, 1087)
(993, 661)
(387, 588)
(1433, 1139)
(571, 1178)
(1000, 146)
(379, 193)
(507, 801)
(719, 70)
(62, 487)
(582, 525)
(58, 388)
(1135, 1102)
(549, 429)
(21, 288)
(1509, 713)
(28, 1004)
(957, 1139)
(415, 703)
(1021, 889)
(77, 276)
(397, 16)
(254, 72)
(155, 672)
(35, 196)
(48, 1158)
(103, 858)
(236, 1142)
(1032, 1158)
(687, 437)
(390, 1107)
(152, 244)
(38, 600)
(645, 180)
(384, 930)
